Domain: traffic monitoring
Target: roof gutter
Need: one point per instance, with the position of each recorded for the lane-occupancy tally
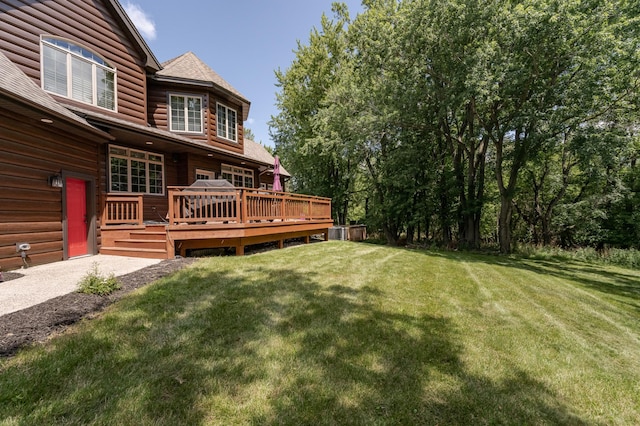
(170, 138)
(37, 107)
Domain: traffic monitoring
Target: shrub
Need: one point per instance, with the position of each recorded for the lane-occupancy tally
(95, 283)
(628, 258)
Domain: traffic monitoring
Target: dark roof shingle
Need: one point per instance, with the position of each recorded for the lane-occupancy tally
(189, 66)
(16, 84)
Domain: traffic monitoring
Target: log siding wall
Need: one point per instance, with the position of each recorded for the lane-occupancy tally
(31, 210)
(87, 23)
(159, 114)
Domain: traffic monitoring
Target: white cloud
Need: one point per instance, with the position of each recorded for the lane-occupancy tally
(143, 23)
(251, 121)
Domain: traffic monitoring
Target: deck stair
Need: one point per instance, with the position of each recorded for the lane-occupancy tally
(149, 241)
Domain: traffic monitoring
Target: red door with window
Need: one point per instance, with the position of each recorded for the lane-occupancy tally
(76, 190)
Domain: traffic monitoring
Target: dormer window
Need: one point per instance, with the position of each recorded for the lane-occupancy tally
(186, 113)
(227, 123)
(74, 72)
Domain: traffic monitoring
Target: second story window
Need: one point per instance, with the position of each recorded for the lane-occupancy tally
(227, 123)
(186, 114)
(74, 72)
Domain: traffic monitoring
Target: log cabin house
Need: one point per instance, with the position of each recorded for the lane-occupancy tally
(99, 144)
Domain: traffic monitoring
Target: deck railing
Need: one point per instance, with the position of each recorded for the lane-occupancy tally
(238, 205)
(243, 205)
(122, 209)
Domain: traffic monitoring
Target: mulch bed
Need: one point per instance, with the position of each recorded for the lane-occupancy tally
(35, 324)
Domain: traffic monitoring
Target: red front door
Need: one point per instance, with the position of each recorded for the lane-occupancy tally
(76, 217)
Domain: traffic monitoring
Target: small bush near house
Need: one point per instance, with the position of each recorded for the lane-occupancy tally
(95, 283)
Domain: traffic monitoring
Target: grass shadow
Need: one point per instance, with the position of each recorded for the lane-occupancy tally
(267, 346)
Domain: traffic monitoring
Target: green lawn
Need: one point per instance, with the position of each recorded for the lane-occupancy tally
(345, 333)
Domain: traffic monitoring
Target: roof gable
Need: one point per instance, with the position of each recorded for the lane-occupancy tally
(151, 61)
(188, 66)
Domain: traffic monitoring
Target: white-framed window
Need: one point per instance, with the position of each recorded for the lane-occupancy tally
(131, 170)
(75, 72)
(227, 123)
(267, 186)
(238, 176)
(185, 113)
(205, 174)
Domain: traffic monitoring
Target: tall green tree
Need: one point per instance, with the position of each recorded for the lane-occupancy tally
(319, 166)
(420, 99)
(547, 64)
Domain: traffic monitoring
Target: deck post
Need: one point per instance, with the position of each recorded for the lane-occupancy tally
(283, 207)
(171, 206)
(103, 206)
(280, 244)
(243, 204)
(140, 209)
(239, 250)
(239, 217)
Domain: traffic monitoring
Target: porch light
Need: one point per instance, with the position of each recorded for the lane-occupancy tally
(46, 120)
(149, 142)
(55, 181)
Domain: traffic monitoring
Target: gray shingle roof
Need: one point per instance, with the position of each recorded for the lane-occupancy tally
(189, 66)
(259, 153)
(16, 84)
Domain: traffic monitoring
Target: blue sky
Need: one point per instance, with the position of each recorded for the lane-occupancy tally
(244, 41)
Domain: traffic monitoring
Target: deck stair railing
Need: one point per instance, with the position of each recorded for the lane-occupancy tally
(122, 209)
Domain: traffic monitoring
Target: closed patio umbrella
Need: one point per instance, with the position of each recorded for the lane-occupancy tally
(277, 186)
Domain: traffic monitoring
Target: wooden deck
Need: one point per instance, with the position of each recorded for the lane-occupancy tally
(211, 218)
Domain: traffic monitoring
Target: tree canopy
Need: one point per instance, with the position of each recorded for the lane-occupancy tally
(460, 121)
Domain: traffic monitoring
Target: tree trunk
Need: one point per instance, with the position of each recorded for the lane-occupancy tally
(411, 229)
(345, 212)
(504, 224)
(444, 220)
(546, 230)
(391, 234)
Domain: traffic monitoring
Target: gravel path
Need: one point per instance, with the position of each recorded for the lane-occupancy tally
(28, 287)
(37, 322)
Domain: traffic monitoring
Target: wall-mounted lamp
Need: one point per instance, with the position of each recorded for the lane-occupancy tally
(55, 181)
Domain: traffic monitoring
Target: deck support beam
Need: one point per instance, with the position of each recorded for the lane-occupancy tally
(240, 242)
